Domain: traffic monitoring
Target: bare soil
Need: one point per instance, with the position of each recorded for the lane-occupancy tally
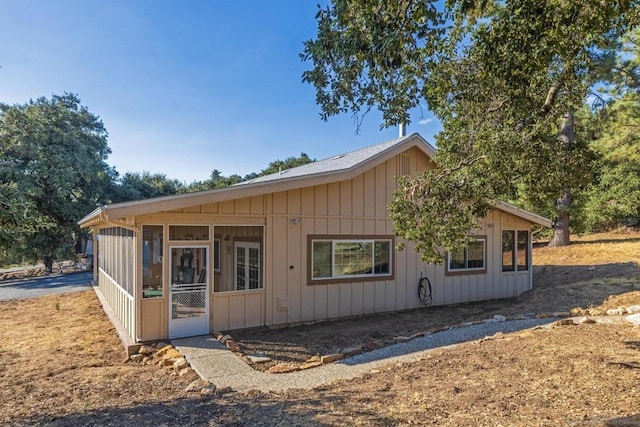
(63, 364)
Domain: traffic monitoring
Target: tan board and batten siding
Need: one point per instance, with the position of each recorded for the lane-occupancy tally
(350, 207)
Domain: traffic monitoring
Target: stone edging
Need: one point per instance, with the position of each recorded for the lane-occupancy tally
(567, 317)
(165, 355)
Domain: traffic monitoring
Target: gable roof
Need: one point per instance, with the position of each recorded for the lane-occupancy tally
(332, 169)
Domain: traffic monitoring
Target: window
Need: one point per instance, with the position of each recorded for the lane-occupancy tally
(247, 266)
(216, 255)
(523, 250)
(151, 261)
(342, 258)
(515, 250)
(188, 232)
(468, 260)
(508, 263)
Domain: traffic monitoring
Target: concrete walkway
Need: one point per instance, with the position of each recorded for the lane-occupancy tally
(215, 363)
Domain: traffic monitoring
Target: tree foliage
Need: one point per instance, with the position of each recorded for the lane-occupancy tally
(217, 180)
(504, 77)
(287, 163)
(615, 196)
(53, 171)
(145, 185)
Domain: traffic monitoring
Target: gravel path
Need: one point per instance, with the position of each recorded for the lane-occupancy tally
(213, 362)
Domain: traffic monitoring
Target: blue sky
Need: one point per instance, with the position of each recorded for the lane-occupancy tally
(182, 87)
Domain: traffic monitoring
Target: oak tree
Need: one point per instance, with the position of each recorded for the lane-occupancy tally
(52, 172)
(505, 78)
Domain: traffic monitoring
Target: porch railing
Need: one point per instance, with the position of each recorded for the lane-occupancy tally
(120, 301)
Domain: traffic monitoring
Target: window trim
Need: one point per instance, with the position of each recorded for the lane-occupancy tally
(467, 271)
(350, 238)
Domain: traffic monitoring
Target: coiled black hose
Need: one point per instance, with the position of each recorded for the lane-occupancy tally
(424, 291)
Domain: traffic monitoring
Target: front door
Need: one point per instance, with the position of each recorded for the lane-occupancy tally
(247, 266)
(189, 291)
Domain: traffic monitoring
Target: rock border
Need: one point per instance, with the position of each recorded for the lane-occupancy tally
(576, 316)
(166, 355)
(163, 355)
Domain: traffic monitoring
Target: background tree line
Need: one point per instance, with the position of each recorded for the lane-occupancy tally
(53, 171)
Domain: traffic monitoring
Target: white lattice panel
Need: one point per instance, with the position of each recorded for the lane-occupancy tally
(188, 301)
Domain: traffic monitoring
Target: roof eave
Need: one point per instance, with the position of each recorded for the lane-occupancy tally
(92, 218)
(525, 214)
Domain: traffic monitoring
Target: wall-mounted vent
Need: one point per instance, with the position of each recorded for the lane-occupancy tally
(404, 168)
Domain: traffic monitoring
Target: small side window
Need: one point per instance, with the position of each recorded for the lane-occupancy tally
(515, 250)
(523, 250)
(508, 239)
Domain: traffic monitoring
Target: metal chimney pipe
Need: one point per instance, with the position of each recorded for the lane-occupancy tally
(402, 130)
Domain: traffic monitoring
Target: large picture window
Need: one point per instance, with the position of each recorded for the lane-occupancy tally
(468, 260)
(345, 259)
(515, 250)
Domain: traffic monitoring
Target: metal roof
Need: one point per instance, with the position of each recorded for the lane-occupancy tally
(337, 163)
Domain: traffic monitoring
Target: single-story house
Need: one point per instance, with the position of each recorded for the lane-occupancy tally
(305, 244)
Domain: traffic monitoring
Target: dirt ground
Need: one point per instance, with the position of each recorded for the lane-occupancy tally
(62, 363)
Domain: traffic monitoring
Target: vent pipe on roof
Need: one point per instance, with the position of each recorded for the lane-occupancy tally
(402, 130)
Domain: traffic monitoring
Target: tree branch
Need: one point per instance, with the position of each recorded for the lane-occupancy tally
(552, 94)
(497, 107)
(461, 164)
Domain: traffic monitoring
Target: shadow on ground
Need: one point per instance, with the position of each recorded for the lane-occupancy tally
(564, 287)
(251, 408)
